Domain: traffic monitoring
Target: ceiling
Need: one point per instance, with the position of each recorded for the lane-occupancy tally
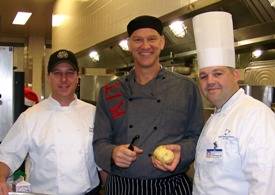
(39, 23)
(254, 26)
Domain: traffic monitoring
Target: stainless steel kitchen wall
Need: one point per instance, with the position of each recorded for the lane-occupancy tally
(90, 86)
(259, 81)
(6, 90)
(263, 93)
(260, 73)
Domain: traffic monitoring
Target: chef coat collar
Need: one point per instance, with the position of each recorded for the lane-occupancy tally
(56, 104)
(132, 73)
(228, 104)
(130, 82)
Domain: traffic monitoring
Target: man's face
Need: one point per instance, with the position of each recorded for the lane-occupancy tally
(218, 84)
(63, 81)
(145, 44)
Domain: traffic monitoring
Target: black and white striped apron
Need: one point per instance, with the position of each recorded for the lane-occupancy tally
(172, 185)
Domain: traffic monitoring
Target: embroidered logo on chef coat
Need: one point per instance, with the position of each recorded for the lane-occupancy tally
(112, 93)
(227, 132)
(227, 135)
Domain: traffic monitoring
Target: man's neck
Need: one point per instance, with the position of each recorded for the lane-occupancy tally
(219, 106)
(64, 101)
(146, 74)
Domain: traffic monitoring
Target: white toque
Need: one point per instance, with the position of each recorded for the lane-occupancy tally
(214, 39)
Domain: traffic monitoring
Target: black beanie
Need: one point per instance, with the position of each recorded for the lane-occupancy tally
(144, 22)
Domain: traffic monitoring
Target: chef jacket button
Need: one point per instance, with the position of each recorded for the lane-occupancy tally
(155, 127)
(158, 101)
(130, 99)
(130, 126)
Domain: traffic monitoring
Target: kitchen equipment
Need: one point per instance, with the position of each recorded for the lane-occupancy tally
(24, 193)
(263, 93)
(260, 73)
(91, 84)
(6, 90)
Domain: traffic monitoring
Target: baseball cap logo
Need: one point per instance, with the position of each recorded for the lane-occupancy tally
(62, 54)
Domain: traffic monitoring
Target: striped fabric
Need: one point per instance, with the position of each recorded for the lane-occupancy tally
(173, 185)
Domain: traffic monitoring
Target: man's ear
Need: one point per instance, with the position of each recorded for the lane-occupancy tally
(162, 42)
(48, 77)
(237, 74)
(128, 43)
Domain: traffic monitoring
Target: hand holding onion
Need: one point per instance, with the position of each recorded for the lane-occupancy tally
(164, 155)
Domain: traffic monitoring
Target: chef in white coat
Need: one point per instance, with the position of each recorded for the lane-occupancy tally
(235, 154)
(57, 135)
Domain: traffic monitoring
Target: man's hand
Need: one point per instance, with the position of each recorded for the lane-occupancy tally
(124, 157)
(4, 187)
(175, 148)
(4, 173)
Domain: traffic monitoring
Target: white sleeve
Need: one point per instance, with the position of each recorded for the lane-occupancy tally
(259, 158)
(14, 147)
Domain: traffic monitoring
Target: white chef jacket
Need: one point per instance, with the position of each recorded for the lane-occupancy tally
(59, 143)
(235, 154)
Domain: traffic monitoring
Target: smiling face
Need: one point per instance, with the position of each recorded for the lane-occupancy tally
(63, 80)
(218, 83)
(145, 44)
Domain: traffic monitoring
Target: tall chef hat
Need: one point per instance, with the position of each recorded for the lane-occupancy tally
(214, 39)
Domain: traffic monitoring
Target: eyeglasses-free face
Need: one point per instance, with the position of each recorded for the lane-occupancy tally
(63, 81)
(145, 44)
(218, 84)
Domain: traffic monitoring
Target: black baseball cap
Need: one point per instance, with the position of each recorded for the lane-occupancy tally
(60, 56)
(144, 22)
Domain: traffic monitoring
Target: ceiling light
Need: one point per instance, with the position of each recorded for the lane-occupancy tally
(178, 28)
(272, 2)
(94, 56)
(58, 19)
(21, 18)
(124, 45)
(257, 53)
